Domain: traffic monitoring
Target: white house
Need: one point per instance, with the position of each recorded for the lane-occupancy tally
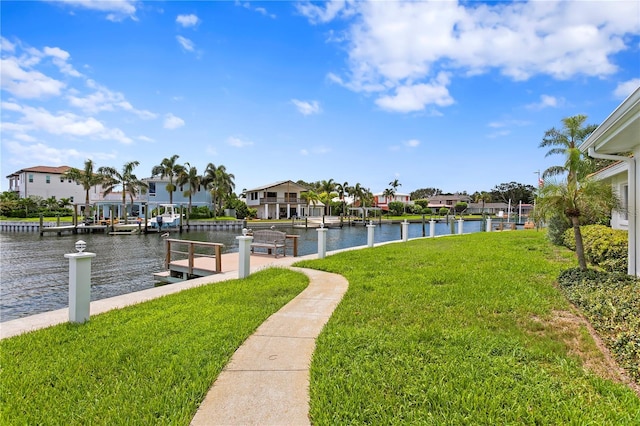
(46, 182)
(614, 139)
(281, 200)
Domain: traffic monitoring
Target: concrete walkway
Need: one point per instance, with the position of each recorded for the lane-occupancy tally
(267, 380)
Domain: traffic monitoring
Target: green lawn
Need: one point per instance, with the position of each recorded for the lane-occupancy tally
(455, 330)
(458, 330)
(147, 364)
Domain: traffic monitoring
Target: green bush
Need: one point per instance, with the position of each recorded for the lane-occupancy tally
(556, 230)
(611, 302)
(443, 211)
(603, 246)
(396, 208)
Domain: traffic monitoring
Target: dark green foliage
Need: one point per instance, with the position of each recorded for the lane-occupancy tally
(556, 229)
(396, 208)
(603, 246)
(460, 207)
(611, 303)
(422, 203)
(443, 211)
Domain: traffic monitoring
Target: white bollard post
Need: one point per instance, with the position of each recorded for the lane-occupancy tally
(405, 231)
(460, 222)
(244, 252)
(322, 241)
(432, 228)
(370, 228)
(79, 283)
(488, 224)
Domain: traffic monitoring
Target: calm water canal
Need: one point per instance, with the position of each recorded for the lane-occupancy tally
(34, 275)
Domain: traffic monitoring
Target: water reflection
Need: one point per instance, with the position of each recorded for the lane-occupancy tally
(34, 274)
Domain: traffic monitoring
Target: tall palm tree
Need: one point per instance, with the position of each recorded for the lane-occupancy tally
(87, 178)
(343, 190)
(327, 188)
(190, 178)
(566, 142)
(395, 184)
(388, 194)
(571, 199)
(126, 179)
(168, 168)
(219, 182)
(312, 198)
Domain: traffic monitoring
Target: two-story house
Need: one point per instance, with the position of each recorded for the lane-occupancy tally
(281, 200)
(382, 201)
(46, 182)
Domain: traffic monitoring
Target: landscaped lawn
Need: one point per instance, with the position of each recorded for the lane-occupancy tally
(147, 364)
(460, 330)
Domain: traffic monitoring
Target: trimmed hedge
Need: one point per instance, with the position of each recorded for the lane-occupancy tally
(603, 247)
(611, 302)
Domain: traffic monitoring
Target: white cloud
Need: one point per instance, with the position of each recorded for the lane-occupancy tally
(318, 14)
(145, 138)
(39, 153)
(238, 142)
(6, 45)
(260, 10)
(117, 9)
(63, 123)
(624, 89)
(396, 48)
(185, 43)
(416, 98)
(188, 20)
(307, 107)
(546, 101)
(304, 152)
(104, 99)
(412, 143)
(172, 122)
(28, 84)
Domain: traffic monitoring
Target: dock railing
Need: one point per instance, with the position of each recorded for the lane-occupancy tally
(187, 249)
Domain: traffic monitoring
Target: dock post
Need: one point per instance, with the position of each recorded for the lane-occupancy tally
(489, 224)
(79, 283)
(370, 228)
(405, 231)
(322, 241)
(41, 224)
(460, 222)
(432, 228)
(244, 252)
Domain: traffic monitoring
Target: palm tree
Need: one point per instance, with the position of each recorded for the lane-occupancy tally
(87, 178)
(126, 179)
(566, 142)
(220, 183)
(168, 168)
(483, 197)
(573, 198)
(343, 190)
(395, 184)
(589, 198)
(312, 198)
(327, 188)
(388, 194)
(189, 177)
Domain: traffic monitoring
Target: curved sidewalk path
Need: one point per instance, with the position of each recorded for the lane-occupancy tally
(267, 380)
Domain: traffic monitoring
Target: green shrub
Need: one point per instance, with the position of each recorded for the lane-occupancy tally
(611, 302)
(603, 246)
(396, 208)
(556, 230)
(443, 211)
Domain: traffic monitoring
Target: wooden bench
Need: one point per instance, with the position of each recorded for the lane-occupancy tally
(269, 240)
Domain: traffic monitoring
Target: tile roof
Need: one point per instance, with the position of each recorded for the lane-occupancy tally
(43, 169)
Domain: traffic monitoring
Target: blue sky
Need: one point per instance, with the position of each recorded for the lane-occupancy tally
(451, 95)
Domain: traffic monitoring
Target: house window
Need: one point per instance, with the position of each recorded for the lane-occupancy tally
(71, 199)
(290, 197)
(152, 189)
(30, 178)
(254, 196)
(47, 179)
(624, 214)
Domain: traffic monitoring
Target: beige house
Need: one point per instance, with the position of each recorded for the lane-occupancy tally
(614, 139)
(47, 182)
(281, 200)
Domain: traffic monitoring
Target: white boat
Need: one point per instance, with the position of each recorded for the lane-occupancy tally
(170, 218)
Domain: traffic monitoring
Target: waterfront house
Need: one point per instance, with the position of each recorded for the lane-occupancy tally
(381, 201)
(47, 182)
(618, 138)
(282, 200)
